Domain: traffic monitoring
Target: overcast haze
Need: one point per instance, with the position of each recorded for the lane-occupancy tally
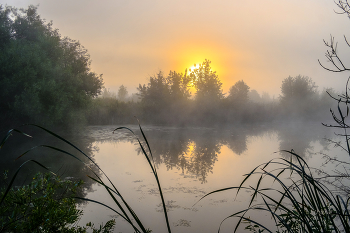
(261, 42)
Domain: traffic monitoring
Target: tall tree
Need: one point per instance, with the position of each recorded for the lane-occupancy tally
(207, 83)
(299, 97)
(122, 93)
(107, 94)
(179, 86)
(44, 78)
(297, 88)
(155, 98)
(238, 93)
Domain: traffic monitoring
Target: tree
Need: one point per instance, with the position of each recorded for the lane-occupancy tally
(207, 83)
(122, 93)
(157, 90)
(155, 98)
(254, 96)
(297, 88)
(239, 93)
(265, 97)
(299, 97)
(341, 114)
(46, 79)
(178, 84)
(107, 94)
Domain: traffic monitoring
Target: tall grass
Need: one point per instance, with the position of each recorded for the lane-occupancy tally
(299, 204)
(296, 200)
(122, 207)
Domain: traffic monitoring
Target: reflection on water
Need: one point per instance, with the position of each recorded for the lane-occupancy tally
(190, 163)
(196, 150)
(300, 136)
(61, 164)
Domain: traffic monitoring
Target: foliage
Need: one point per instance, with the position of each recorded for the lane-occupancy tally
(157, 91)
(238, 93)
(302, 204)
(299, 97)
(122, 93)
(45, 78)
(45, 205)
(123, 209)
(207, 83)
(254, 96)
(162, 98)
(109, 110)
(168, 101)
(178, 84)
(295, 89)
(107, 94)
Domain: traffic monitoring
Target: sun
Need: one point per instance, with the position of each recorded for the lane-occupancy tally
(191, 86)
(192, 68)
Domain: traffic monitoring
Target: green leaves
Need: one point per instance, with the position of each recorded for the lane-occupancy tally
(46, 204)
(45, 78)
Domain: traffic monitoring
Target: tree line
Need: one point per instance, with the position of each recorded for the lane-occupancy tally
(46, 79)
(167, 100)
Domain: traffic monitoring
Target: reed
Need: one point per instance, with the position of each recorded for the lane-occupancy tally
(301, 203)
(122, 207)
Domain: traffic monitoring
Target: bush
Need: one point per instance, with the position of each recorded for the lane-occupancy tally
(47, 204)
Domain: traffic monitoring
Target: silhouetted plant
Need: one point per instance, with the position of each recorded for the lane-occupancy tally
(47, 204)
(302, 203)
(122, 208)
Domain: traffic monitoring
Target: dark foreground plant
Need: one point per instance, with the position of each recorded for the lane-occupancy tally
(45, 205)
(299, 204)
(122, 208)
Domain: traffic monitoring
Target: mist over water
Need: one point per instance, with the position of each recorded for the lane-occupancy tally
(192, 162)
(202, 137)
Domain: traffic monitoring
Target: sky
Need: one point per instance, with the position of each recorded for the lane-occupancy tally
(259, 42)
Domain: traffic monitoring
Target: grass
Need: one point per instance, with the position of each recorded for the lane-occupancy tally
(295, 199)
(301, 203)
(122, 207)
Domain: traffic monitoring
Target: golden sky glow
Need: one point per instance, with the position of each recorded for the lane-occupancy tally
(188, 53)
(261, 42)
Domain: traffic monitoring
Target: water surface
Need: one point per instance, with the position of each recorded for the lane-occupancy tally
(190, 163)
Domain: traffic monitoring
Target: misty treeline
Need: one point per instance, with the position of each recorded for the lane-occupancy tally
(46, 79)
(167, 100)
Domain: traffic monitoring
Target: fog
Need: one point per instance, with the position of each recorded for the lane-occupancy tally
(196, 99)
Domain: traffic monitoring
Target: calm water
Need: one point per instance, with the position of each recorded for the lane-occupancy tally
(191, 162)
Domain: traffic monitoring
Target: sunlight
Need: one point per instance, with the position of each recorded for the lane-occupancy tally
(190, 53)
(190, 150)
(192, 68)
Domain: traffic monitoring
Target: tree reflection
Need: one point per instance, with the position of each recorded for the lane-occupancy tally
(64, 165)
(203, 158)
(191, 151)
(194, 151)
(299, 137)
(236, 141)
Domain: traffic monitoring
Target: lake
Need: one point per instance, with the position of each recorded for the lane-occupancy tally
(190, 163)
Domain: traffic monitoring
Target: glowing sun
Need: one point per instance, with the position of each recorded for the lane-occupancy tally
(192, 68)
